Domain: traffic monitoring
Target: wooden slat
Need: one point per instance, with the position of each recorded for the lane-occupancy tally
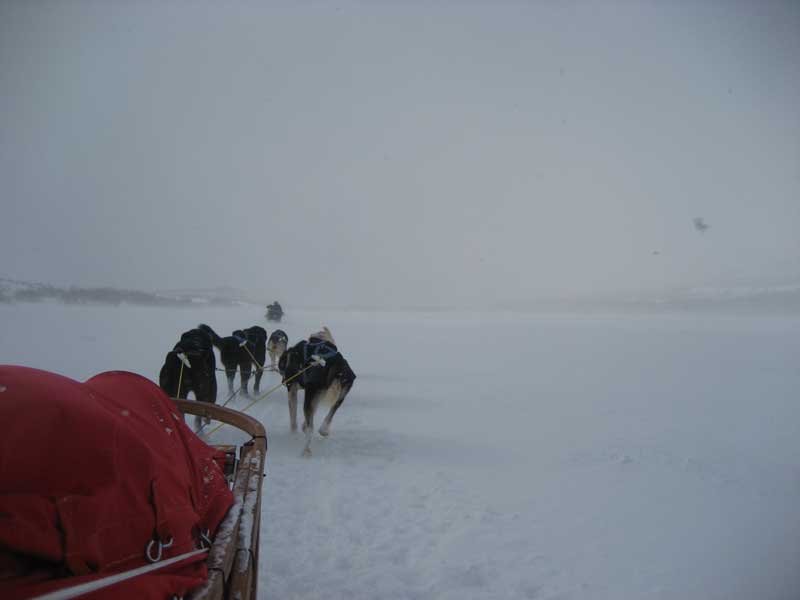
(244, 575)
(257, 528)
(222, 553)
(213, 589)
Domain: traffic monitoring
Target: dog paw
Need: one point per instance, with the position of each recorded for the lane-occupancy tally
(324, 431)
(306, 452)
(293, 427)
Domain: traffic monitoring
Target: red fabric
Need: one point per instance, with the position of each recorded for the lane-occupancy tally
(90, 473)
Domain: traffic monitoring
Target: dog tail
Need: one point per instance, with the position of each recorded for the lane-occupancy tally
(215, 339)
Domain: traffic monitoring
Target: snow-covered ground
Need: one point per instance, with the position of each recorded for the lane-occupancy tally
(506, 455)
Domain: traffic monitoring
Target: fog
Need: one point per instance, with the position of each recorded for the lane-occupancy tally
(395, 153)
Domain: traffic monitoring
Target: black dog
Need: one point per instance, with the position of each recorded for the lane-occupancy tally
(320, 369)
(257, 345)
(232, 354)
(199, 376)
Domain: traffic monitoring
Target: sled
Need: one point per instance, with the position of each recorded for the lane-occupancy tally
(117, 497)
(233, 559)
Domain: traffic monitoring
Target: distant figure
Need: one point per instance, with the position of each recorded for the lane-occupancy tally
(274, 312)
(700, 225)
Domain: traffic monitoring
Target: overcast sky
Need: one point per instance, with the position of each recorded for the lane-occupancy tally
(400, 152)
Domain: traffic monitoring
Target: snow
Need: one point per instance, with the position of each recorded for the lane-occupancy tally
(502, 455)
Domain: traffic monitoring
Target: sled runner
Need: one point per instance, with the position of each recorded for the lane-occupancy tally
(106, 493)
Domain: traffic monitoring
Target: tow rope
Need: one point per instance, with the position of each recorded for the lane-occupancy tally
(267, 393)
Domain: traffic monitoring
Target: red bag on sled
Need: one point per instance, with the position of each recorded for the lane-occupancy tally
(91, 476)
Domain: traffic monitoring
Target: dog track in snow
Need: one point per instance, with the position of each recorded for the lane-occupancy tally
(420, 538)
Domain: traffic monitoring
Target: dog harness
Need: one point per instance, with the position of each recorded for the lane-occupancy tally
(321, 349)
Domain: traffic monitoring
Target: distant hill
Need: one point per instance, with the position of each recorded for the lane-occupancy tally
(771, 299)
(12, 290)
(777, 299)
(215, 295)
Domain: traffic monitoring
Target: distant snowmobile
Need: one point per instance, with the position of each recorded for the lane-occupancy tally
(274, 312)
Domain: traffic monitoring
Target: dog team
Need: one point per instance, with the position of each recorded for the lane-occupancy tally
(314, 365)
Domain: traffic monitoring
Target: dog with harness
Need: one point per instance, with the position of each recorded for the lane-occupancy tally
(190, 367)
(319, 368)
(257, 345)
(276, 346)
(236, 351)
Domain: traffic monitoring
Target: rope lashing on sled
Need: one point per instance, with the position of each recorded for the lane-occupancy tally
(318, 361)
(99, 584)
(154, 556)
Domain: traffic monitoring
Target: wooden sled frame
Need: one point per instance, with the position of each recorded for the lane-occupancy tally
(233, 559)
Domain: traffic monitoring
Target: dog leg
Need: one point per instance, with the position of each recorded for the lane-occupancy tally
(244, 370)
(293, 407)
(257, 384)
(309, 407)
(325, 430)
(334, 391)
(230, 374)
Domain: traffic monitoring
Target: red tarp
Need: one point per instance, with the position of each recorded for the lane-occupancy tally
(89, 474)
